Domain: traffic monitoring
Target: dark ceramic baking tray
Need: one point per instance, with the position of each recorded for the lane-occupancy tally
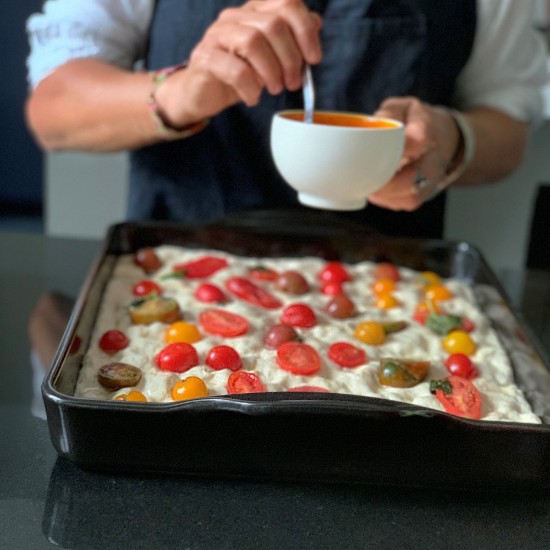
(321, 437)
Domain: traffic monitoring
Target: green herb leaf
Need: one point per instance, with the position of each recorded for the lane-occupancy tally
(443, 324)
(443, 385)
(179, 274)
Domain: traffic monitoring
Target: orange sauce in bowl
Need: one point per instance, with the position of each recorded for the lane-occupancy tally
(343, 119)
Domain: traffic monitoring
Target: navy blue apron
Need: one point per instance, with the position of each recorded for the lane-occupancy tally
(372, 49)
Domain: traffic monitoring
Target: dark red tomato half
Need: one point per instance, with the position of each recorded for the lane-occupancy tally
(244, 382)
(387, 270)
(346, 355)
(201, 267)
(146, 287)
(113, 340)
(177, 357)
(250, 292)
(147, 259)
(223, 323)
(298, 358)
(458, 396)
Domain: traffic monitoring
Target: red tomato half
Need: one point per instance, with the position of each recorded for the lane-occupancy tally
(177, 357)
(298, 358)
(334, 272)
(223, 323)
(202, 267)
(458, 396)
(244, 382)
(224, 357)
(113, 341)
(298, 315)
(261, 273)
(460, 365)
(146, 287)
(246, 290)
(346, 355)
(209, 293)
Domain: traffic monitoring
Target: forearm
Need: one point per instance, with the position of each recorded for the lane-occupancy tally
(89, 105)
(500, 146)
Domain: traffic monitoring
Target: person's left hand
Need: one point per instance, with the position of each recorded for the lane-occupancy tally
(431, 139)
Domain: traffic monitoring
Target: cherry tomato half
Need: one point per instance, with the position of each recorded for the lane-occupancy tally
(224, 357)
(438, 293)
(279, 334)
(178, 357)
(292, 282)
(383, 286)
(250, 292)
(334, 272)
(223, 323)
(209, 293)
(333, 289)
(201, 267)
(180, 331)
(370, 332)
(459, 341)
(113, 340)
(147, 259)
(461, 365)
(191, 387)
(340, 307)
(298, 358)
(244, 382)
(346, 355)
(387, 270)
(458, 396)
(298, 315)
(262, 273)
(133, 395)
(146, 287)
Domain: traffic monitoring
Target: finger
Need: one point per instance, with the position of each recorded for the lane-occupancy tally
(237, 78)
(419, 126)
(304, 24)
(255, 30)
(399, 194)
(249, 44)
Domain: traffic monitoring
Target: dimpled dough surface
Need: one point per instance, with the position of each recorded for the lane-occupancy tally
(502, 399)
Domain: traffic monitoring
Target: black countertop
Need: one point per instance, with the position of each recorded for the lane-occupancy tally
(47, 501)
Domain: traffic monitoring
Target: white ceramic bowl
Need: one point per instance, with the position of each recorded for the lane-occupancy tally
(335, 167)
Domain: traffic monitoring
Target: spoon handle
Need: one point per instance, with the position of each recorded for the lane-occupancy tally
(308, 90)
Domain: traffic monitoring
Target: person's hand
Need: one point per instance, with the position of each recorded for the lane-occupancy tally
(431, 139)
(259, 46)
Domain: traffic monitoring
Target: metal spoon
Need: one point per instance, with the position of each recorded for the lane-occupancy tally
(308, 90)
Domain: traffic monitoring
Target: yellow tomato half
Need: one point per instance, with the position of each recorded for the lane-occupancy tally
(459, 341)
(182, 332)
(371, 333)
(189, 388)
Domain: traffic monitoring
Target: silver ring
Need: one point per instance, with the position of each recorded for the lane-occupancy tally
(421, 183)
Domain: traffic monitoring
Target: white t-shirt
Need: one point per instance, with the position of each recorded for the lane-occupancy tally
(506, 71)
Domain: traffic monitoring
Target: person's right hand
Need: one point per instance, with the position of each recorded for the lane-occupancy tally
(260, 45)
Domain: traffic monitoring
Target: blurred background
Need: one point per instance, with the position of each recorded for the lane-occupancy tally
(80, 195)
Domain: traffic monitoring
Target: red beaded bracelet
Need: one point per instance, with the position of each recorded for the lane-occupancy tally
(167, 132)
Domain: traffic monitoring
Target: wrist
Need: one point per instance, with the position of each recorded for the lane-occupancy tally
(167, 129)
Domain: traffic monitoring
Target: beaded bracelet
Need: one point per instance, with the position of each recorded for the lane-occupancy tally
(167, 132)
